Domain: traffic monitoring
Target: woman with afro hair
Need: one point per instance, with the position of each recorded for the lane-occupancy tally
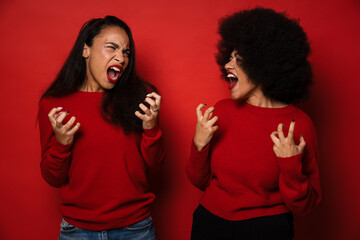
(255, 167)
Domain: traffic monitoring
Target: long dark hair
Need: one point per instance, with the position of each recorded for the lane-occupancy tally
(119, 103)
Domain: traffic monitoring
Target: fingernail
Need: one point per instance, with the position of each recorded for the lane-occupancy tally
(204, 104)
(148, 94)
(293, 120)
(59, 108)
(67, 111)
(301, 135)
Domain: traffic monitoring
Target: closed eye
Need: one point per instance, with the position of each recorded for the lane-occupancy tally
(112, 45)
(127, 52)
(239, 60)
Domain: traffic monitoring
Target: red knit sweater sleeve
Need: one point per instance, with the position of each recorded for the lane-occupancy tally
(55, 157)
(152, 146)
(198, 167)
(299, 181)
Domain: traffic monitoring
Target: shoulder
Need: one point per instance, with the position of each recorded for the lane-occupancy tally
(149, 87)
(302, 116)
(225, 103)
(304, 122)
(228, 106)
(48, 103)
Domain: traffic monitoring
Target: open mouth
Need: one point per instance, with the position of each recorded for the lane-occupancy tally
(232, 80)
(113, 73)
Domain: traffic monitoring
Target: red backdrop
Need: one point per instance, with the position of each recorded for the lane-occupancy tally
(175, 50)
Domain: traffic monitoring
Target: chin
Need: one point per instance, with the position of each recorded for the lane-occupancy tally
(108, 86)
(234, 97)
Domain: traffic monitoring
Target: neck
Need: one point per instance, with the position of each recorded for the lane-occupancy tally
(258, 99)
(88, 87)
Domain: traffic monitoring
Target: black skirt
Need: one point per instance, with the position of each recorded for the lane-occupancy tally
(207, 226)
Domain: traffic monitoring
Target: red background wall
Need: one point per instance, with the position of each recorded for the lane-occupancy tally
(175, 50)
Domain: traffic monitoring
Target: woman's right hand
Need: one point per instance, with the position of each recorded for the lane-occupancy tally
(204, 127)
(64, 132)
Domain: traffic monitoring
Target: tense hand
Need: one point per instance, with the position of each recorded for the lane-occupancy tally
(64, 132)
(151, 115)
(285, 146)
(204, 127)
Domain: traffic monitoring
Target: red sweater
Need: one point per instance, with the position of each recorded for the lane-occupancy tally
(103, 175)
(239, 171)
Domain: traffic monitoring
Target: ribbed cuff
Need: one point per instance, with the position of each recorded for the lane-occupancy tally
(60, 148)
(291, 165)
(152, 132)
(199, 154)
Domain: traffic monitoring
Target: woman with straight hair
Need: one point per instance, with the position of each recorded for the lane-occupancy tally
(255, 167)
(100, 136)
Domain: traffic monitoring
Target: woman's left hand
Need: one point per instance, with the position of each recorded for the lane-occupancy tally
(285, 146)
(150, 117)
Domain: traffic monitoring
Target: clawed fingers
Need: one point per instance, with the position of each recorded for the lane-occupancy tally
(205, 126)
(153, 106)
(60, 119)
(74, 129)
(210, 115)
(56, 119)
(143, 117)
(280, 132)
(150, 115)
(64, 132)
(273, 137)
(69, 124)
(291, 131)
(285, 146)
(213, 120)
(52, 115)
(157, 98)
(302, 143)
(207, 113)
(198, 111)
(145, 109)
(139, 115)
(207, 119)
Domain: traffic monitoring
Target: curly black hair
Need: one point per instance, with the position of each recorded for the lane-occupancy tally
(274, 51)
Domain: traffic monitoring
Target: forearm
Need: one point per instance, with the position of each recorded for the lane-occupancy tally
(299, 189)
(55, 163)
(152, 146)
(198, 167)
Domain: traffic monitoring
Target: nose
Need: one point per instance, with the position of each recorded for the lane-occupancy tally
(119, 56)
(229, 65)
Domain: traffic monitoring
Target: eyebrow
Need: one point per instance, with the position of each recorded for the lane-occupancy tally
(117, 46)
(237, 55)
(114, 44)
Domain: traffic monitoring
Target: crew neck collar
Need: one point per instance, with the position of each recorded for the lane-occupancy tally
(266, 110)
(90, 93)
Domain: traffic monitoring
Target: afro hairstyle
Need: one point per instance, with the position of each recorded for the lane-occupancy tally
(274, 51)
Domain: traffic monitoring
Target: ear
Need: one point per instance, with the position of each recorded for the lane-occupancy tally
(86, 51)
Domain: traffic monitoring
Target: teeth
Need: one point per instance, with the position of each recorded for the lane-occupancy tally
(230, 75)
(115, 69)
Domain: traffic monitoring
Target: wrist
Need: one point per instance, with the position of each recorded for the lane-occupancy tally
(64, 142)
(149, 125)
(199, 146)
